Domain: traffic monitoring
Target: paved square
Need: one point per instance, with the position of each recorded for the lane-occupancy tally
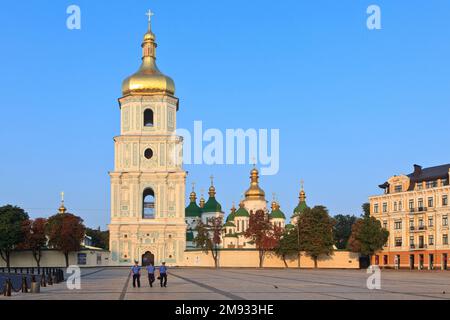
(245, 284)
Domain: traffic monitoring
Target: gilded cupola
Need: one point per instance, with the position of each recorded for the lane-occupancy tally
(255, 192)
(148, 79)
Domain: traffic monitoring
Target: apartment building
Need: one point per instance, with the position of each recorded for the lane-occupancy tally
(414, 209)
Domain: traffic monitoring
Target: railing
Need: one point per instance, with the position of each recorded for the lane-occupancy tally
(23, 279)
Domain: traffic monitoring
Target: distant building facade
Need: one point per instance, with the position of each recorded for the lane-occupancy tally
(414, 209)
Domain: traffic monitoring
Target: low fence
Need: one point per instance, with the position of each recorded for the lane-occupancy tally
(28, 280)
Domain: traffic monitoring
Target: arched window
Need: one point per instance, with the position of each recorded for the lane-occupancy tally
(148, 118)
(148, 207)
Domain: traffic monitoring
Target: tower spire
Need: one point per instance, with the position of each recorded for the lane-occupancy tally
(62, 209)
(149, 14)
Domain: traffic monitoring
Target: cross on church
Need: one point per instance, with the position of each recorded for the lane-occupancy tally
(62, 196)
(302, 183)
(193, 186)
(212, 180)
(149, 14)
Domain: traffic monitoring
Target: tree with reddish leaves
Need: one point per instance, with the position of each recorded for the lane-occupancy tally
(208, 237)
(34, 238)
(65, 233)
(263, 234)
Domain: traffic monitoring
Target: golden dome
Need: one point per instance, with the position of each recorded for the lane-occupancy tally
(148, 79)
(255, 192)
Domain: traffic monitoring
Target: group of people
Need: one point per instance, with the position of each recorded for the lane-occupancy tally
(136, 273)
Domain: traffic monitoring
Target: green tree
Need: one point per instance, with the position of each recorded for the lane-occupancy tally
(12, 220)
(208, 237)
(65, 233)
(368, 236)
(342, 229)
(316, 232)
(366, 209)
(100, 238)
(288, 245)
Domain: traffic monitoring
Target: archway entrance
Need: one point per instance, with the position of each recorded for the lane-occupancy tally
(148, 258)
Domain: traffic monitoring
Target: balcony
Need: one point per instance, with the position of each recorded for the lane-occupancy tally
(422, 209)
(418, 247)
(418, 229)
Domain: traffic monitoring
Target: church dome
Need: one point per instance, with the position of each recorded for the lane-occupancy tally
(255, 192)
(242, 212)
(148, 79)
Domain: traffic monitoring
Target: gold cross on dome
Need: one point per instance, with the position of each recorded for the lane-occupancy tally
(149, 14)
(193, 186)
(212, 180)
(302, 182)
(62, 196)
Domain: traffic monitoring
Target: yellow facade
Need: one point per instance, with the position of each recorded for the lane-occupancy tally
(414, 209)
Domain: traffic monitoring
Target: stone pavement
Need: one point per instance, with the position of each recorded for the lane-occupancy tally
(248, 284)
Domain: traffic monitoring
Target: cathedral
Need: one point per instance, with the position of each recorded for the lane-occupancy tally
(149, 221)
(237, 220)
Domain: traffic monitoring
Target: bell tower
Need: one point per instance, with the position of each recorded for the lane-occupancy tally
(148, 181)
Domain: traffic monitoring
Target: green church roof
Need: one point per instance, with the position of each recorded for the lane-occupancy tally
(289, 226)
(212, 205)
(242, 212)
(301, 207)
(193, 210)
(277, 214)
(231, 217)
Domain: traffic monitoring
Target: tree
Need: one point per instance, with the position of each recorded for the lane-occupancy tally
(208, 237)
(368, 236)
(65, 233)
(316, 232)
(12, 219)
(100, 238)
(366, 209)
(263, 234)
(288, 245)
(342, 229)
(34, 238)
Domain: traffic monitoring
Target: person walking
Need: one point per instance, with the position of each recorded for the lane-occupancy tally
(151, 274)
(163, 275)
(136, 273)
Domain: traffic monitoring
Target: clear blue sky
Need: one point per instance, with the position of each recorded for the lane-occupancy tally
(353, 106)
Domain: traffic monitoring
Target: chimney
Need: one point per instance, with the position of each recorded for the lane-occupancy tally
(417, 169)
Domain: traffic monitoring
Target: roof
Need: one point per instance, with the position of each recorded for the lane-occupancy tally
(231, 216)
(193, 210)
(277, 214)
(242, 212)
(212, 205)
(301, 207)
(424, 174)
(431, 173)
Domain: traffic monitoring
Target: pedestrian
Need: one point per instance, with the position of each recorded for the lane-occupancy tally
(151, 274)
(163, 275)
(136, 273)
